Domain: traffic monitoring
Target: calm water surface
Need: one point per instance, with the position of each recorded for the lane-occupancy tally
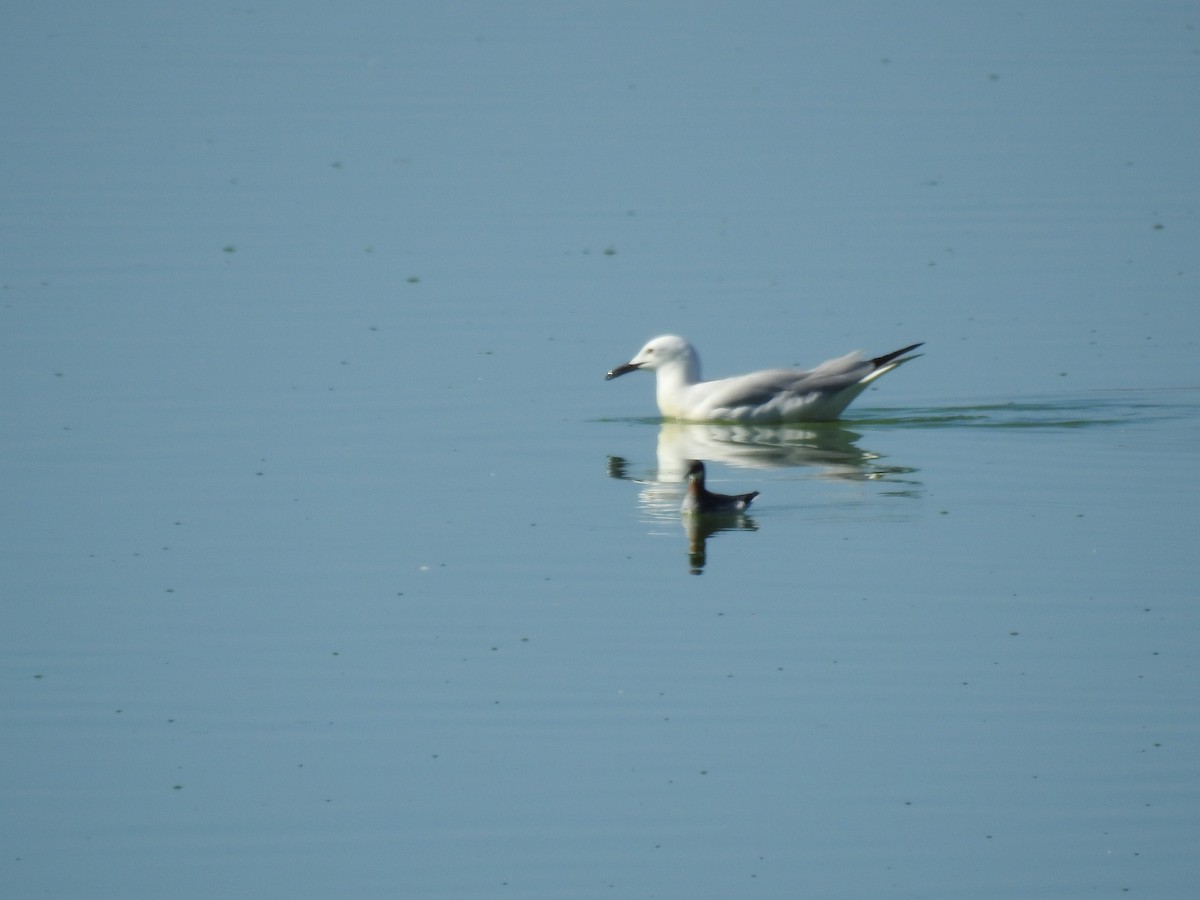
(332, 566)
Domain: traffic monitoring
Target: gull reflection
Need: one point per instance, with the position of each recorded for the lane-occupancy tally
(829, 448)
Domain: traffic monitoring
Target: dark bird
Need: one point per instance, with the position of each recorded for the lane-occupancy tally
(701, 501)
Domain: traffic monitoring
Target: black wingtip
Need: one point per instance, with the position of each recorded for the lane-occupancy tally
(890, 357)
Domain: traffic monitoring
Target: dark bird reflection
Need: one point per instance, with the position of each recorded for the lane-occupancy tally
(700, 528)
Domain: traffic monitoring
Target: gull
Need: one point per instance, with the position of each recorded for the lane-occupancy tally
(701, 501)
(769, 396)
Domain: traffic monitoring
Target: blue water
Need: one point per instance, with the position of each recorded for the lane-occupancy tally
(332, 565)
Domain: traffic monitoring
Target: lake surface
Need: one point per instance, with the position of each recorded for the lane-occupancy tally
(332, 565)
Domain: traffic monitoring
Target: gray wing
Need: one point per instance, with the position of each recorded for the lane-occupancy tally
(760, 387)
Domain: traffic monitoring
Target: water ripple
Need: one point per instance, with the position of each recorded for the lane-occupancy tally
(1110, 408)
